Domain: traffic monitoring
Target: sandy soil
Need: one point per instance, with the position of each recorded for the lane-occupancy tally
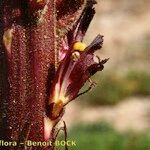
(130, 114)
(125, 26)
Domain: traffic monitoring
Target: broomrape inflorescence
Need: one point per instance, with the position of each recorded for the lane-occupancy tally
(44, 64)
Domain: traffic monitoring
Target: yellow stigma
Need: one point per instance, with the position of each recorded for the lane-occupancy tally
(75, 56)
(79, 46)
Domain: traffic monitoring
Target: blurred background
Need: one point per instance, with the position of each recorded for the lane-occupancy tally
(115, 115)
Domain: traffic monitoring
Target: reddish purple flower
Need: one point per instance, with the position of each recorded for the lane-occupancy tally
(76, 65)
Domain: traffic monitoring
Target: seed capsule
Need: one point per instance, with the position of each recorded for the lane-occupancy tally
(57, 108)
(80, 46)
(75, 56)
(54, 109)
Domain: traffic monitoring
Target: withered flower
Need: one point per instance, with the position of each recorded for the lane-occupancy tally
(43, 64)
